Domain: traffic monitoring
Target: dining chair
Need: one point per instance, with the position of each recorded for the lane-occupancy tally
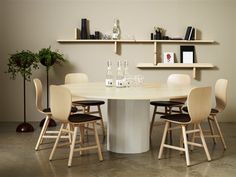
(77, 78)
(221, 86)
(44, 134)
(199, 107)
(174, 80)
(61, 103)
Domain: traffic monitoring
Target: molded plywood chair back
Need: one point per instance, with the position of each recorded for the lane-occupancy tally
(199, 104)
(38, 95)
(179, 80)
(221, 94)
(76, 78)
(60, 103)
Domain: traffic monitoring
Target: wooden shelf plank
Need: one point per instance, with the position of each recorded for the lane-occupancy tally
(175, 65)
(136, 41)
(84, 41)
(192, 66)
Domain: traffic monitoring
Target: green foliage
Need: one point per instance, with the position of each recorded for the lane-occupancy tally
(22, 62)
(48, 57)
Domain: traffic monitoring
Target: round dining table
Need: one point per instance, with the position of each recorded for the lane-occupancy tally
(128, 111)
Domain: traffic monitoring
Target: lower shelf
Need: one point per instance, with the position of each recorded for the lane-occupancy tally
(175, 65)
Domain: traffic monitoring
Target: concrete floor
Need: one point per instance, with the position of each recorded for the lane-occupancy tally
(18, 158)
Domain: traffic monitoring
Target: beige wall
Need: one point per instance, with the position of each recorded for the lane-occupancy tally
(1, 52)
(36, 24)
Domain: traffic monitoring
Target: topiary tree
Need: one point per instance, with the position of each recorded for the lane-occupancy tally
(23, 63)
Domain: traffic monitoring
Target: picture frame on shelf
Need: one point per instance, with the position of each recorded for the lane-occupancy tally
(187, 54)
(168, 57)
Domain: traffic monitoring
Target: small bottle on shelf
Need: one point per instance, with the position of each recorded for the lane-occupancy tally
(126, 74)
(116, 30)
(119, 76)
(109, 75)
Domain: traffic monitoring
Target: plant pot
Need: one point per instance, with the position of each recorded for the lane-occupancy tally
(46, 62)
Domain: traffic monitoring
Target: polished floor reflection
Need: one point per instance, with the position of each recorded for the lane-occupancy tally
(18, 158)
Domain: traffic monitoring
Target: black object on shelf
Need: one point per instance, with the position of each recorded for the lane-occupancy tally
(91, 36)
(187, 54)
(158, 35)
(84, 30)
(190, 33)
(152, 37)
(97, 35)
(165, 37)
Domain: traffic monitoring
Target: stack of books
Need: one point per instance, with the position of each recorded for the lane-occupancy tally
(190, 33)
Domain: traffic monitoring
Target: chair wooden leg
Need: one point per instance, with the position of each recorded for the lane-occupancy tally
(152, 122)
(163, 140)
(219, 131)
(69, 134)
(100, 156)
(212, 130)
(56, 142)
(193, 137)
(102, 123)
(81, 129)
(72, 146)
(185, 145)
(181, 143)
(42, 133)
(204, 143)
(170, 132)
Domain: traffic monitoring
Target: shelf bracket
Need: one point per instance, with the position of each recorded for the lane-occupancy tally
(115, 49)
(194, 72)
(155, 53)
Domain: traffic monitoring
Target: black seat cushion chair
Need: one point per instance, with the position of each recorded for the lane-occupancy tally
(213, 111)
(177, 117)
(79, 118)
(89, 102)
(165, 103)
(48, 110)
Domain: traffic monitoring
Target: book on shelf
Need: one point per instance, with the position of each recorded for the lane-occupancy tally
(77, 33)
(190, 33)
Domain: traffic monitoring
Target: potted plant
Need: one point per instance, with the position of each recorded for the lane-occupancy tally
(48, 58)
(23, 63)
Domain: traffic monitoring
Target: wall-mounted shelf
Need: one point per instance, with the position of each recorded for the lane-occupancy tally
(155, 63)
(193, 66)
(133, 41)
(154, 42)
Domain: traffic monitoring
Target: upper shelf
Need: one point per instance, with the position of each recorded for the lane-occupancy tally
(136, 41)
(175, 65)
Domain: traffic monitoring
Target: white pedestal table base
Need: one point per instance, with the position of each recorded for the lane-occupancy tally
(128, 126)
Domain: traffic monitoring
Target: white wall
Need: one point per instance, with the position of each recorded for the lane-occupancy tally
(36, 24)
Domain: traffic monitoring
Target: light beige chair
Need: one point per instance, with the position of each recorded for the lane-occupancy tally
(221, 101)
(199, 107)
(47, 112)
(174, 80)
(77, 78)
(61, 102)
(44, 134)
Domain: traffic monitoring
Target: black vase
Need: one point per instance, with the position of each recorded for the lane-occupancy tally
(158, 35)
(84, 31)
